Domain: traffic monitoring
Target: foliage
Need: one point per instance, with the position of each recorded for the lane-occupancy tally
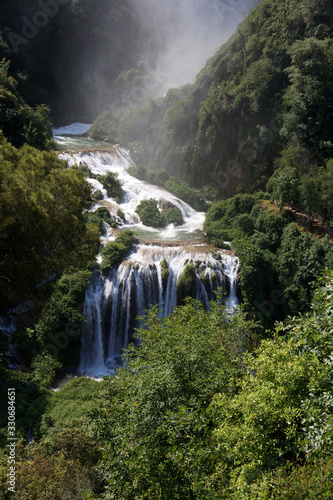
(174, 216)
(58, 468)
(121, 214)
(73, 401)
(155, 420)
(187, 283)
(59, 327)
(273, 419)
(43, 231)
(116, 250)
(312, 480)
(45, 368)
(267, 87)
(19, 122)
(100, 216)
(112, 185)
(97, 195)
(149, 213)
(189, 195)
(279, 264)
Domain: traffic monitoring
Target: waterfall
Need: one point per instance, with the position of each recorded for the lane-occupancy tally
(114, 301)
(118, 161)
(149, 275)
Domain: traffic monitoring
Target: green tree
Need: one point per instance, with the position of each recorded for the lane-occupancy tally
(156, 421)
(43, 231)
(283, 185)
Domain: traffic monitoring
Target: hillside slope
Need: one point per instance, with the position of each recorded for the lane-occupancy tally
(267, 87)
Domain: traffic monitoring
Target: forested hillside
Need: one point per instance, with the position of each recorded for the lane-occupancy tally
(263, 101)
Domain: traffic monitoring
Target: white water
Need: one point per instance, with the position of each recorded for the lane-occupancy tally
(114, 301)
(135, 191)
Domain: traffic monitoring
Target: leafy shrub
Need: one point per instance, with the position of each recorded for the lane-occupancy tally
(85, 169)
(116, 250)
(149, 213)
(121, 214)
(112, 185)
(98, 195)
(45, 368)
(209, 193)
(174, 216)
(99, 216)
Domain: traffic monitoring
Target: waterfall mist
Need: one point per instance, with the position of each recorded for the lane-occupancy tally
(179, 36)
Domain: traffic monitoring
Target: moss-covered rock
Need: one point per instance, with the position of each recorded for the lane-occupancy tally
(165, 274)
(187, 283)
(116, 250)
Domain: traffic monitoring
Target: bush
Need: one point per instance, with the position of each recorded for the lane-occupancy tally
(116, 250)
(209, 193)
(98, 217)
(85, 169)
(112, 185)
(149, 214)
(121, 214)
(45, 368)
(174, 216)
(97, 195)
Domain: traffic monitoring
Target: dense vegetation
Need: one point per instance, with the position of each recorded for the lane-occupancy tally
(43, 231)
(190, 415)
(208, 405)
(266, 90)
(19, 122)
(53, 47)
(280, 260)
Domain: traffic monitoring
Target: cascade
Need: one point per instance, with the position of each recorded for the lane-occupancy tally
(149, 275)
(113, 302)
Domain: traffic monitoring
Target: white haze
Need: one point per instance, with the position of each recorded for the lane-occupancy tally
(183, 34)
